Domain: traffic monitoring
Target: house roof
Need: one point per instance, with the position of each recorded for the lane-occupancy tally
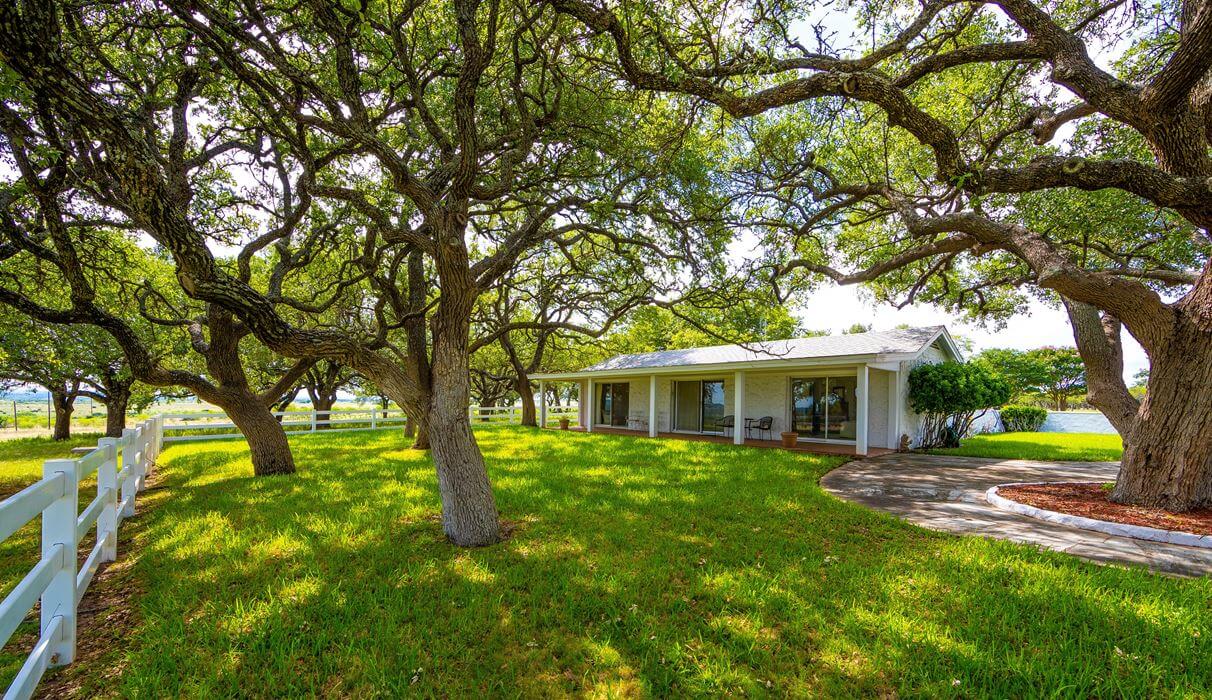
(897, 342)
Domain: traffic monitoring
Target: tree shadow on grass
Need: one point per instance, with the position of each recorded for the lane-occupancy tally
(637, 568)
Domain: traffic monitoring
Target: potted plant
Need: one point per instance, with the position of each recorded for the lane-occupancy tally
(563, 424)
(789, 438)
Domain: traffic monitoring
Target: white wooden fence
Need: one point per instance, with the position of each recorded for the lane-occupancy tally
(56, 580)
(217, 426)
(513, 414)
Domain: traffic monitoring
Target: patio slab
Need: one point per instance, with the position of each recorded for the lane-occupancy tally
(948, 494)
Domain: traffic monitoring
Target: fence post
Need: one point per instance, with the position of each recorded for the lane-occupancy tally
(159, 440)
(145, 448)
(374, 414)
(313, 420)
(59, 541)
(107, 484)
(130, 459)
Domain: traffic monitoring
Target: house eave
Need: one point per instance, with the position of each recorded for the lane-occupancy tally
(721, 367)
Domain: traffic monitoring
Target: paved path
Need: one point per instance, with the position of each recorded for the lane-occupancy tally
(948, 493)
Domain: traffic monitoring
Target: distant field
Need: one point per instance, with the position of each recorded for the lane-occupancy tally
(31, 416)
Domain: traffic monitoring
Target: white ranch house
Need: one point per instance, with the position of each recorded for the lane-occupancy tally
(844, 391)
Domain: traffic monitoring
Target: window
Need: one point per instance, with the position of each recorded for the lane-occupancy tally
(825, 407)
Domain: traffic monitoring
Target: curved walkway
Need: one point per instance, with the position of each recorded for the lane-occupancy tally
(948, 494)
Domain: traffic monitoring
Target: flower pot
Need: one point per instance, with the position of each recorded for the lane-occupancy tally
(790, 439)
(563, 424)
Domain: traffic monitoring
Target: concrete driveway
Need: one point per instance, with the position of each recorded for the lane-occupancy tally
(948, 494)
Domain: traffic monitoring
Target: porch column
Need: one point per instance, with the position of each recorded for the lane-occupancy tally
(652, 410)
(860, 439)
(894, 410)
(738, 411)
(589, 405)
(542, 404)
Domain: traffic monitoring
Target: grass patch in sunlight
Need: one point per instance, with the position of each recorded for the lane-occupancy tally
(637, 567)
(1047, 447)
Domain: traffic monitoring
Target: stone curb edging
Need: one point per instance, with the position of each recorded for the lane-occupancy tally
(1139, 532)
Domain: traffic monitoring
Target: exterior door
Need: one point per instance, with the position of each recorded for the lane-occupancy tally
(713, 407)
(698, 406)
(807, 407)
(619, 409)
(613, 404)
(825, 408)
(687, 407)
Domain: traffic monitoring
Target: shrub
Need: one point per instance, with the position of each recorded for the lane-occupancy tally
(1022, 419)
(950, 396)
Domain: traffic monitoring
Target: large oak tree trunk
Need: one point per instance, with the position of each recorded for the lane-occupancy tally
(264, 434)
(418, 430)
(323, 408)
(527, 394)
(1167, 459)
(63, 404)
(115, 413)
(469, 511)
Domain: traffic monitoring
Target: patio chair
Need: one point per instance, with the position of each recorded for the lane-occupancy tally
(765, 424)
(728, 423)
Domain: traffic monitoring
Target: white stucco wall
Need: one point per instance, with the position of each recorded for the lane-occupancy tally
(878, 388)
(768, 395)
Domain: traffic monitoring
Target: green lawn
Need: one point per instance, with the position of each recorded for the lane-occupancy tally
(636, 567)
(21, 465)
(21, 459)
(1082, 447)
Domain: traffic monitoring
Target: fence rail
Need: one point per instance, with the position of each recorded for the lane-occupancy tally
(55, 580)
(513, 414)
(217, 426)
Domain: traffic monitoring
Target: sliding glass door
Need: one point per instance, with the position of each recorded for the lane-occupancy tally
(687, 407)
(808, 407)
(613, 404)
(698, 406)
(713, 407)
(825, 408)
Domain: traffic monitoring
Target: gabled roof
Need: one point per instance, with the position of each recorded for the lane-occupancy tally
(898, 342)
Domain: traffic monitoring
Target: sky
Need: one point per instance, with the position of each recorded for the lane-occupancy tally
(836, 308)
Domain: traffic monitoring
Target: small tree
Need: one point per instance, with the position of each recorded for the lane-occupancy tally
(322, 382)
(1063, 374)
(1024, 371)
(950, 396)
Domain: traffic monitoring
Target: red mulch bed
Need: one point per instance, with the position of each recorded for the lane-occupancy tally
(1090, 501)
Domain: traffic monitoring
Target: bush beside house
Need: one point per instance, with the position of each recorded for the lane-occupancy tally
(950, 396)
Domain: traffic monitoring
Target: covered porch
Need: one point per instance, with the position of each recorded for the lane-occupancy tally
(801, 446)
(832, 408)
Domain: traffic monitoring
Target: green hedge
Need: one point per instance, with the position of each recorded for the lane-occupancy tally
(1023, 419)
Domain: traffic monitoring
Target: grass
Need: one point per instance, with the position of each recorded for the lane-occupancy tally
(21, 458)
(635, 568)
(1048, 447)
